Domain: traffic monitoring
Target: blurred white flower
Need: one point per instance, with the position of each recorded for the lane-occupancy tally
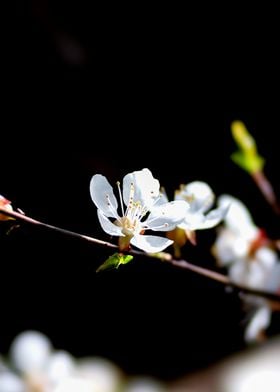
(144, 384)
(60, 365)
(10, 382)
(256, 270)
(258, 323)
(75, 385)
(30, 351)
(103, 374)
(201, 198)
(242, 247)
(143, 211)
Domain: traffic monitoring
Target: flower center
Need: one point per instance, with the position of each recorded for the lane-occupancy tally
(131, 217)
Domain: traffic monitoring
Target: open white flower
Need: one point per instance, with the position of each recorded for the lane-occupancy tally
(200, 198)
(144, 211)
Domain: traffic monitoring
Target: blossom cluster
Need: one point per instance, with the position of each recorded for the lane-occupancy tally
(144, 207)
(34, 365)
(245, 251)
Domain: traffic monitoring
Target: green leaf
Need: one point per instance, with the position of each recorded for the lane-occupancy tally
(247, 157)
(243, 138)
(249, 163)
(114, 261)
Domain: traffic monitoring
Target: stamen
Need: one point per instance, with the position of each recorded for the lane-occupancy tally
(120, 195)
(130, 200)
(112, 209)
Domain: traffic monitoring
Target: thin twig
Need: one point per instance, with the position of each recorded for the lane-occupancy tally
(266, 189)
(166, 257)
(223, 279)
(27, 219)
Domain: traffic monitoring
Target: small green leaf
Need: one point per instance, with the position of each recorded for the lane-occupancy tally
(249, 163)
(114, 261)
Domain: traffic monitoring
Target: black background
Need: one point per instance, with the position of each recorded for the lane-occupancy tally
(88, 92)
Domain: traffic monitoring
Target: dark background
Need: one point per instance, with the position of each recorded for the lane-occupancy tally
(88, 92)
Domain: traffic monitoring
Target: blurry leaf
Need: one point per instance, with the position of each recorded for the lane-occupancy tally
(247, 156)
(114, 261)
(243, 138)
(249, 163)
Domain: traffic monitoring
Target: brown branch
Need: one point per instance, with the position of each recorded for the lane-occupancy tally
(266, 189)
(166, 257)
(25, 218)
(223, 279)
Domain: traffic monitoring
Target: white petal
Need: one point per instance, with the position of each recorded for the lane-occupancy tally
(223, 248)
(238, 272)
(74, 384)
(10, 382)
(150, 243)
(273, 282)
(30, 351)
(108, 226)
(248, 272)
(266, 257)
(144, 384)
(167, 216)
(238, 217)
(258, 323)
(60, 365)
(146, 187)
(229, 247)
(198, 194)
(198, 221)
(162, 198)
(103, 196)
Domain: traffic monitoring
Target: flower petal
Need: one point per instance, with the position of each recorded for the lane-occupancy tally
(238, 218)
(108, 226)
(150, 243)
(258, 323)
(145, 187)
(167, 216)
(229, 247)
(198, 221)
(273, 281)
(103, 196)
(198, 194)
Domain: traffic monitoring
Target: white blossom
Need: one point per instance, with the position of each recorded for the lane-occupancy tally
(241, 247)
(141, 210)
(200, 198)
(30, 351)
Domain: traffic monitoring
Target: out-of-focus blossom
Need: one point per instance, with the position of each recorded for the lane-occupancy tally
(30, 351)
(144, 211)
(247, 156)
(144, 384)
(10, 382)
(34, 365)
(6, 205)
(103, 374)
(242, 248)
(200, 198)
